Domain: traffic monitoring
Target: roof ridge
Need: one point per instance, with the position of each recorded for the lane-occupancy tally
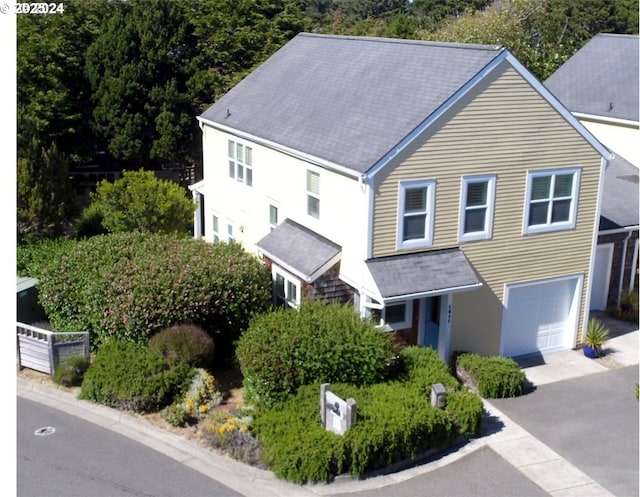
(404, 41)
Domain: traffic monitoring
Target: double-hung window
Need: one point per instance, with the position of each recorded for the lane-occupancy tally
(240, 162)
(477, 201)
(215, 230)
(416, 203)
(313, 194)
(286, 289)
(552, 200)
(273, 216)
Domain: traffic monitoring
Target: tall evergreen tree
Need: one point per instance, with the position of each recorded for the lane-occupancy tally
(138, 68)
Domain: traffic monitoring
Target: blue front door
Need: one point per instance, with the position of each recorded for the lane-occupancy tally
(432, 322)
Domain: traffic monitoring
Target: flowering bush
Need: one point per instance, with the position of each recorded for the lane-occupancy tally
(229, 432)
(131, 285)
(202, 395)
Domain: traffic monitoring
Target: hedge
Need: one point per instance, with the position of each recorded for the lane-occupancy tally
(493, 377)
(131, 285)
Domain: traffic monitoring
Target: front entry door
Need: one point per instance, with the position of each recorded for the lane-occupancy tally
(432, 322)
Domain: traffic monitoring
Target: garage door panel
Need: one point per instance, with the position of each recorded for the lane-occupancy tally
(539, 317)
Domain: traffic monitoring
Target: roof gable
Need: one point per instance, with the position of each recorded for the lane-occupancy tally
(600, 79)
(619, 196)
(347, 100)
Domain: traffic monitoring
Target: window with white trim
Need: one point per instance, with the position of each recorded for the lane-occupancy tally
(230, 236)
(552, 200)
(477, 203)
(286, 289)
(240, 162)
(313, 194)
(215, 230)
(396, 316)
(416, 202)
(273, 216)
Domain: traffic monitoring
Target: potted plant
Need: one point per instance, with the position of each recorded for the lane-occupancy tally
(597, 334)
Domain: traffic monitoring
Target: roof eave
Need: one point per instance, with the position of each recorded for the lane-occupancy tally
(432, 293)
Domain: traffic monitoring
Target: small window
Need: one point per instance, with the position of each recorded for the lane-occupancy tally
(313, 194)
(552, 200)
(396, 316)
(285, 289)
(477, 203)
(216, 233)
(416, 201)
(230, 237)
(240, 162)
(273, 217)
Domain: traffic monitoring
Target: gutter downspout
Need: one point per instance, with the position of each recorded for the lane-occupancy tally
(624, 262)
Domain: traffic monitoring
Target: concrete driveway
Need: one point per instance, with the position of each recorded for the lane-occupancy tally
(591, 421)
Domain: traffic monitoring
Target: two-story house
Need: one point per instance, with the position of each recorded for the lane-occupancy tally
(599, 85)
(439, 187)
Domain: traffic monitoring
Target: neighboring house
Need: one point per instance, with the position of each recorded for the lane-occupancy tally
(599, 85)
(438, 187)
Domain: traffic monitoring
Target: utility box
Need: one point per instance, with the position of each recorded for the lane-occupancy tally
(28, 310)
(438, 395)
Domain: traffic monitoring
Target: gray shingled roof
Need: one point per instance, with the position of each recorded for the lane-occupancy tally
(299, 248)
(422, 272)
(601, 78)
(347, 100)
(619, 196)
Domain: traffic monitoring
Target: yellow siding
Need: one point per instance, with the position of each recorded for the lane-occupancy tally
(505, 128)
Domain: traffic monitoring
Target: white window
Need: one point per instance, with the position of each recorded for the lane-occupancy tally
(477, 202)
(552, 200)
(396, 316)
(230, 236)
(216, 232)
(286, 289)
(273, 216)
(416, 201)
(240, 162)
(313, 194)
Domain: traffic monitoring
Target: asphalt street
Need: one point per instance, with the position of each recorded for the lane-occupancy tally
(591, 421)
(85, 460)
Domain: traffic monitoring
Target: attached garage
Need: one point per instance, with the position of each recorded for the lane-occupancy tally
(540, 316)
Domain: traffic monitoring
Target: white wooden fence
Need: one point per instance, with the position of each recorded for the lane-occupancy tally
(42, 350)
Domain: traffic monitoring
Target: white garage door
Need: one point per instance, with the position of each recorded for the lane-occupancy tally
(540, 316)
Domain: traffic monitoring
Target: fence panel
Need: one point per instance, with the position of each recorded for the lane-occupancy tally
(41, 350)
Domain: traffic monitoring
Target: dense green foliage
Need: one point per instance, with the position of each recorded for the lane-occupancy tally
(282, 350)
(395, 421)
(131, 285)
(140, 201)
(495, 377)
(185, 342)
(130, 376)
(33, 257)
(70, 372)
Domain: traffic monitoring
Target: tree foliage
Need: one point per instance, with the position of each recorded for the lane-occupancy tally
(139, 201)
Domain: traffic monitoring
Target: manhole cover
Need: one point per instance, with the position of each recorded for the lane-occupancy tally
(47, 430)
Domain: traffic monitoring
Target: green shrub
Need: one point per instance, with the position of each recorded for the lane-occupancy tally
(33, 257)
(132, 285)
(186, 342)
(130, 376)
(494, 377)
(394, 422)
(90, 222)
(464, 408)
(282, 350)
(70, 372)
(175, 415)
(423, 367)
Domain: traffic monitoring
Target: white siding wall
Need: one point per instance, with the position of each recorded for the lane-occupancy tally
(280, 179)
(622, 140)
